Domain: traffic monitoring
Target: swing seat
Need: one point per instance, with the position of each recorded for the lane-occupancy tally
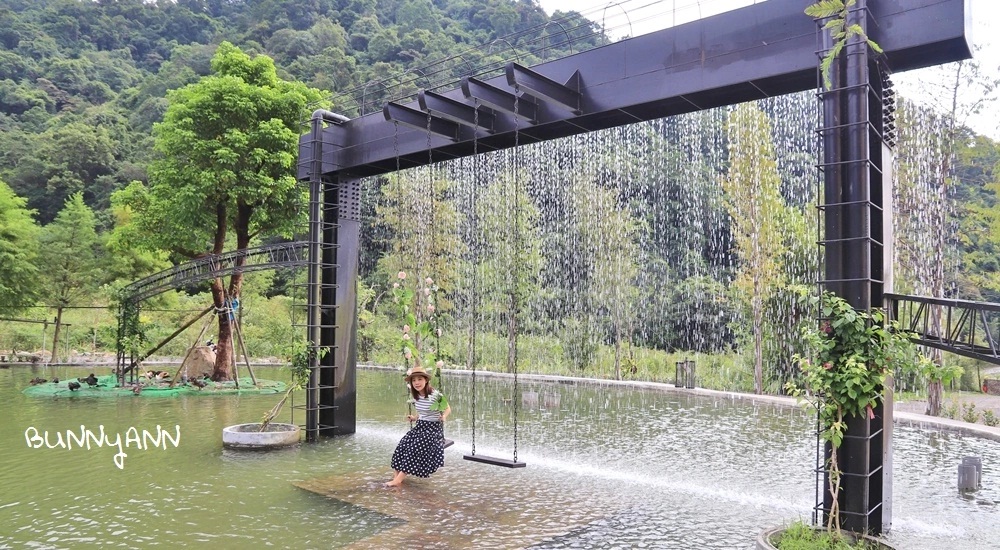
(445, 443)
(505, 462)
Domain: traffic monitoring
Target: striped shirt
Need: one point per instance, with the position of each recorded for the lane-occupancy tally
(423, 406)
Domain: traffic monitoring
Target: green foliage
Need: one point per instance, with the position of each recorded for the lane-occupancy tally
(843, 376)
(837, 11)
(19, 283)
(951, 411)
(969, 413)
(228, 146)
(579, 344)
(799, 536)
(70, 252)
(756, 211)
(990, 419)
(303, 355)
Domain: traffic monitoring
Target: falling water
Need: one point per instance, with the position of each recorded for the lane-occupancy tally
(588, 254)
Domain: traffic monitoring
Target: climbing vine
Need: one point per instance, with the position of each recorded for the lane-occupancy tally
(836, 13)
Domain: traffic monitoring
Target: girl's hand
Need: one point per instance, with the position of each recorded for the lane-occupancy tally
(411, 417)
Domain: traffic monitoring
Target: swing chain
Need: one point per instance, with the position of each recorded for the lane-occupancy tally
(475, 230)
(516, 397)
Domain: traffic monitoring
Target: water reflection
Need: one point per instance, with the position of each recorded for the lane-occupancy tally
(607, 468)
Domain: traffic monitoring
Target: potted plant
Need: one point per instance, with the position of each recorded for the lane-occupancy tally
(843, 377)
(266, 433)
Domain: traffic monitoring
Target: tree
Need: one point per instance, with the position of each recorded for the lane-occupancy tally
(228, 145)
(929, 146)
(608, 236)
(70, 259)
(510, 254)
(19, 284)
(755, 207)
(421, 222)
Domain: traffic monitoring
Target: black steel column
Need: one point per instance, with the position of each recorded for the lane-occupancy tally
(314, 160)
(338, 393)
(853, 255)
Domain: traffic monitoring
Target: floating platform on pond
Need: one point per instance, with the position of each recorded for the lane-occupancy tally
(458, 507)
(106, 387)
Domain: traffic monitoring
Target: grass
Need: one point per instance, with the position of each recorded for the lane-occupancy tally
(799, 536)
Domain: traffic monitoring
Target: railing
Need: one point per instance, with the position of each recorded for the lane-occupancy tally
(262, 258)
(959, 326)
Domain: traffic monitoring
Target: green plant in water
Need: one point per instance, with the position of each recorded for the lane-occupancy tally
(302, 356)
(836, 12)
(851, 353)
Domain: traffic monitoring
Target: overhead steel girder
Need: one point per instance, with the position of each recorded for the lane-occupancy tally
(500, 99)
(762, 50)
(538, 86)
(419, 120)
(457, 111)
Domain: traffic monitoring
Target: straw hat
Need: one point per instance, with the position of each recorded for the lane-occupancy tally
(417, 371)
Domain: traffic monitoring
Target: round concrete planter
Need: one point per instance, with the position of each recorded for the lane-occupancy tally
(765, 538)
(247, 436)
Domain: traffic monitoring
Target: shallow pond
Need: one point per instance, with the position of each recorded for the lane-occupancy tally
(608, 467)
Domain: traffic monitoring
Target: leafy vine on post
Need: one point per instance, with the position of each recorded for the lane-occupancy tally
(299, 367)
(836, 13)
(419, 330)
(851, 353)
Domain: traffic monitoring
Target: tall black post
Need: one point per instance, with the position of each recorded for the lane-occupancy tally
(338, 368)
(854, 255)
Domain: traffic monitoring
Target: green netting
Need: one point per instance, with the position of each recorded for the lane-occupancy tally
(106, 387)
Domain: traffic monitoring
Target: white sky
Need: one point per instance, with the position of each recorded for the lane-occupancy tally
(637, 17)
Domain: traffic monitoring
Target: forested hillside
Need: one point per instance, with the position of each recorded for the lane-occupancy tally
(82, 82)
(641, 236)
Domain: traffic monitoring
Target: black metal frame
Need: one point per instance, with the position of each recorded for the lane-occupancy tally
(751, 53)
(971, 329)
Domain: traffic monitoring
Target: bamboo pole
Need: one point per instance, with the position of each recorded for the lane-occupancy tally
(187, 355)
(169, 338)
(243, 348)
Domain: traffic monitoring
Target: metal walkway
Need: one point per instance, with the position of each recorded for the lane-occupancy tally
(958, 326)
(283, 255)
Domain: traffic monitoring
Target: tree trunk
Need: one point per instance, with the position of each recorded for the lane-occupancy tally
(935, 391)
(55, 335)
(224, 340)
(618, 351)
(758, 343)
(512, 334)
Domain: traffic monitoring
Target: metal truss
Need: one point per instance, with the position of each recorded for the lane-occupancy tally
(958, 326)
(283, 255)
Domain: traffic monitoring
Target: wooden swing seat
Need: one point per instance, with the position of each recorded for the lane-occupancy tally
(505, 462)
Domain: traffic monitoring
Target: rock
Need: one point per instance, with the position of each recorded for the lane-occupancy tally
(201, 360)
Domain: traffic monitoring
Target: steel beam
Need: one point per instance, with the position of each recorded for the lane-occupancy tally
(762, 50)
(457, 111)
(499, 99)
(420, 120)
(546, 89)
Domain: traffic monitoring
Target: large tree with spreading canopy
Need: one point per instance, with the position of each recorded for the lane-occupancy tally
(225, 172)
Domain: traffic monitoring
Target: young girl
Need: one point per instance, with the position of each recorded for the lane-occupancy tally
(420, 452)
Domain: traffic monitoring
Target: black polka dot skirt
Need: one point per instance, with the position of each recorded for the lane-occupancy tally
(420, 453)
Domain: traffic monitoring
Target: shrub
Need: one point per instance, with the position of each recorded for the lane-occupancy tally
(969, 413)
(989, 418)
